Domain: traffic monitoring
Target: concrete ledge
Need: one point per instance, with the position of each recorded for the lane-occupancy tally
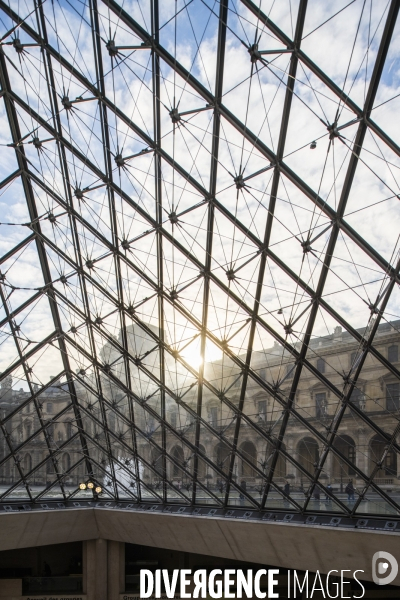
(301, 547)
(41, 528)
(285, 545)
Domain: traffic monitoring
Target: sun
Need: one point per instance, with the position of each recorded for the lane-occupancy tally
(192, 355)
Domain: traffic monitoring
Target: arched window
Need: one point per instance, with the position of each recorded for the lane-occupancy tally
(308, 454)
(66, 462)
(49, 467)
(27, 463)
(321, 365)
(249, 452)
(177, 454)
(347, 447)
(379, 451)
(222, 454)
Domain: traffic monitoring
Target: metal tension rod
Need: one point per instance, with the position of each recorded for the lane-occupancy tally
(113, 50)
(240, 181)
(176, 116)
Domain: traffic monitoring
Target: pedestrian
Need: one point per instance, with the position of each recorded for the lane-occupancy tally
(243, 486)
(350, 491)
(328, 493)
(317, 493)
(286, 491)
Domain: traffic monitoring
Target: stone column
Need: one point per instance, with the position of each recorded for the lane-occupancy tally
(116, 569)
(103, 569)
(95, 569)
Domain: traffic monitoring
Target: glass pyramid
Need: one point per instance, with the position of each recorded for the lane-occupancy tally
(200, 253)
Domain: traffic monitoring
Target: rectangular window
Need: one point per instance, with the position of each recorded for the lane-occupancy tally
(49, 408)
(392, 396)
(393, 354)
(174, 419)
(320, 404)
(214, 416)
(355, 397)
(321, 365)
(262, 410)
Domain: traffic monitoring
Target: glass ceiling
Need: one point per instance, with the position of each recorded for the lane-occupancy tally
(200, 253)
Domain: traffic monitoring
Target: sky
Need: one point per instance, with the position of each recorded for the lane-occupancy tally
(342, 38)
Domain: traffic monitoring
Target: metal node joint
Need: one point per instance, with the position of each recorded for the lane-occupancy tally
(66, 102)
(333, 131)
(111, 47)
(175, 116)
(119, 160)
(231, 274)
(254, 53)
(173, 217)
(18, 46)
(78, 193)
(239, 182)
(130, 309)
(37, 143)
(374, 309)
(306, 246)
